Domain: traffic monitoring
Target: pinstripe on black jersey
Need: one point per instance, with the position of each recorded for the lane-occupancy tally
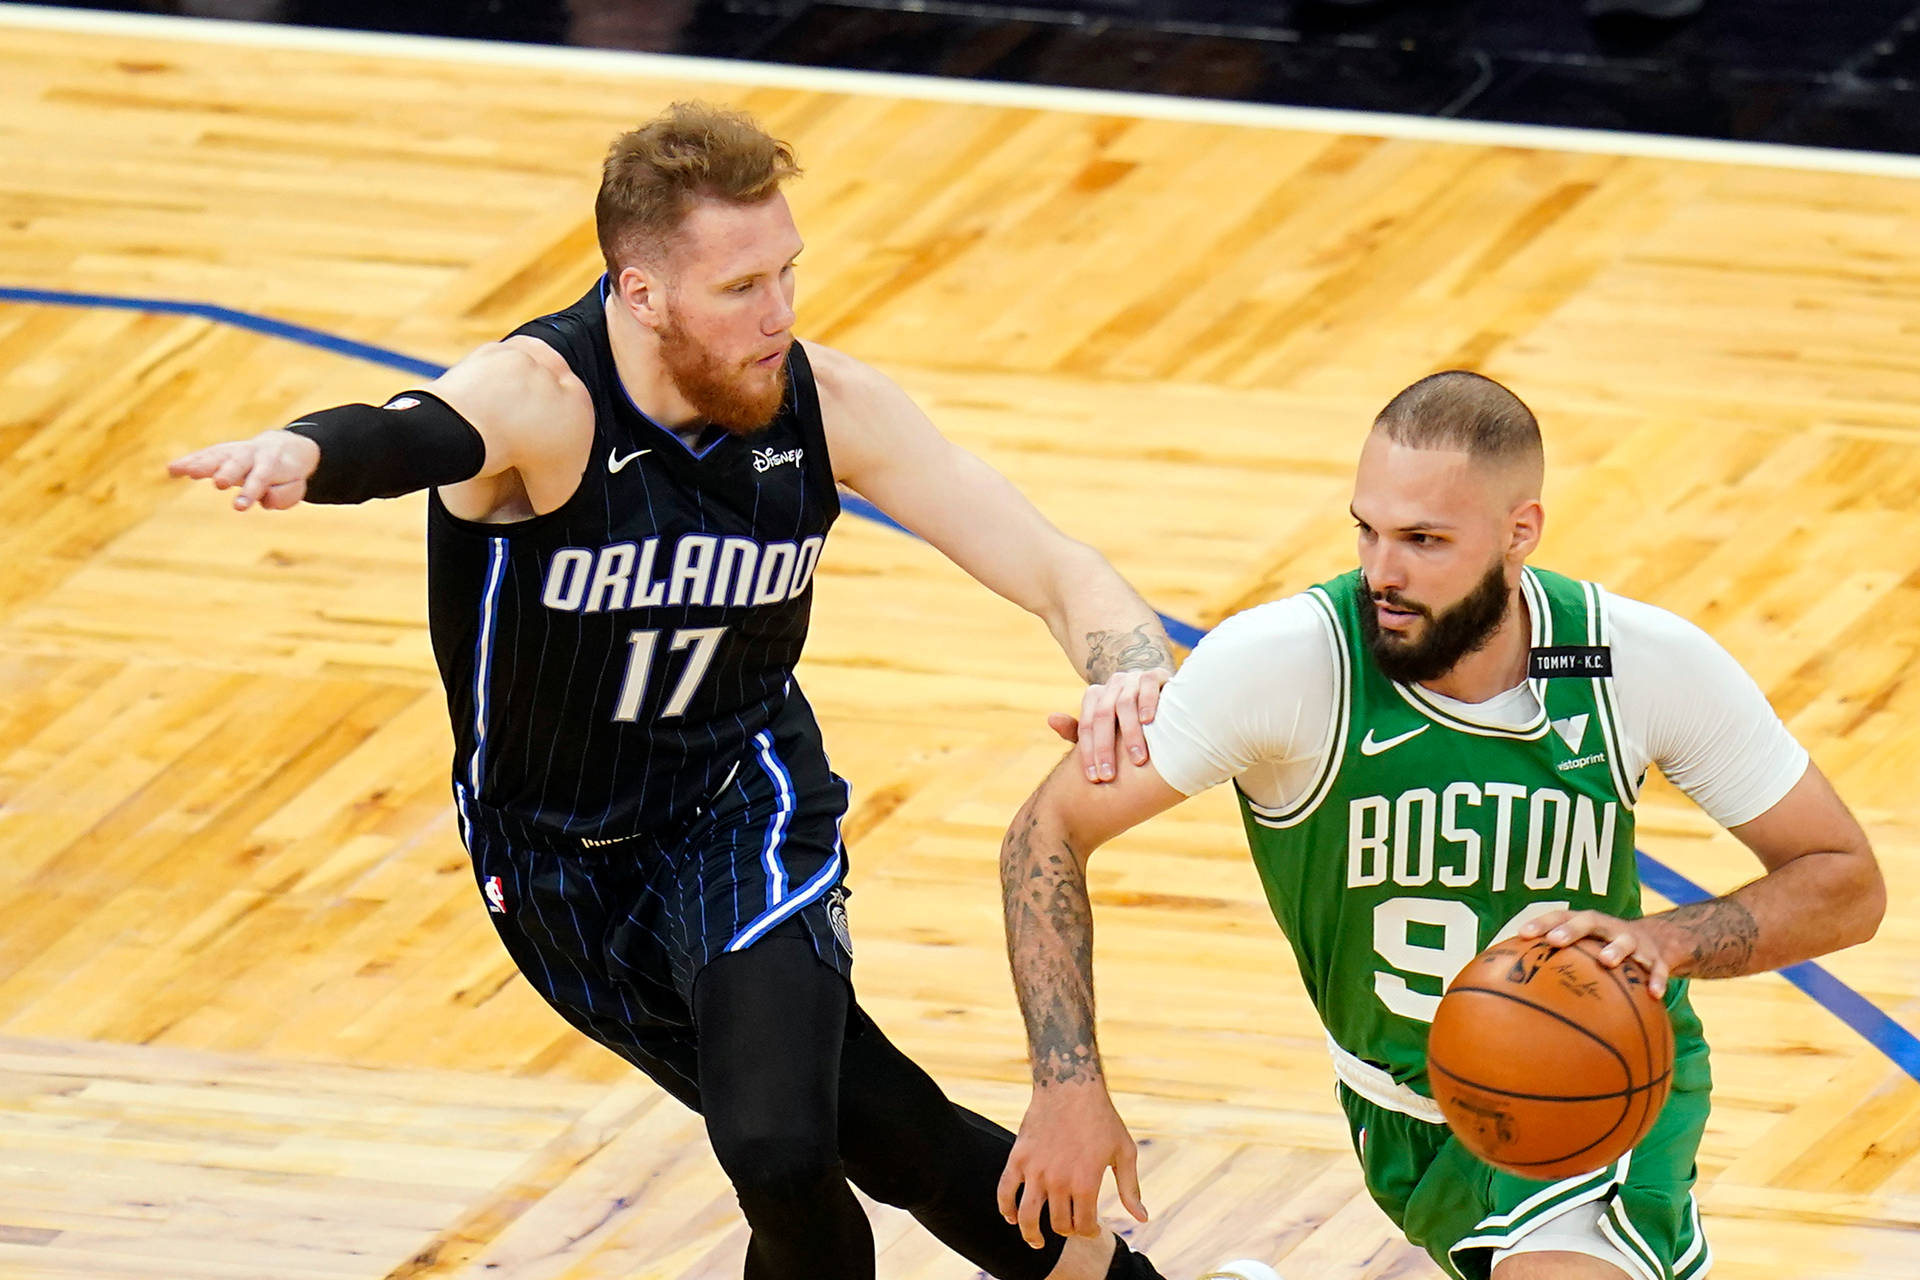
(608, 664)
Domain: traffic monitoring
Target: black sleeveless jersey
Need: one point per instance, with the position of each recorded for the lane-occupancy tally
(608, 664)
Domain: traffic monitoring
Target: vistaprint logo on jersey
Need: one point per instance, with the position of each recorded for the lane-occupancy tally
(699, 569)
(768, 459)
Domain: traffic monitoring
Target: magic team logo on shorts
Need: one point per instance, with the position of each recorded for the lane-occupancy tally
(496, 896)
(837, 917)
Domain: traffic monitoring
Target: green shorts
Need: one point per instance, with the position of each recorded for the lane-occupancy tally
(1462, 1211)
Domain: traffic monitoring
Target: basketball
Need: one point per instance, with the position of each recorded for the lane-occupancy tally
(1545, 1062)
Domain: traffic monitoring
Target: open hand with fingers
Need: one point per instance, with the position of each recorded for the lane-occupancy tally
(1127, 700)
(1650, 942)
(271, 470)
(1069, 1139)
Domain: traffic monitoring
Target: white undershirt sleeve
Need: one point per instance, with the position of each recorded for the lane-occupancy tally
(1687, 706)
(1254, 701)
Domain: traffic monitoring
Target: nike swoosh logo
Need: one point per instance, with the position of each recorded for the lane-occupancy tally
(615, 461)
(1370, 746)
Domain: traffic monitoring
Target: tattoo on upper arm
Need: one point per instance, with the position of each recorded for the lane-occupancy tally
(1050, 946)
(1725, 934)
(1141, 649)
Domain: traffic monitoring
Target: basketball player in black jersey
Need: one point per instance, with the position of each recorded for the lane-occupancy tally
(629, 498)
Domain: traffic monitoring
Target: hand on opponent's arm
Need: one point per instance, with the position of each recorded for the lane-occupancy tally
(1822, 891)
(477, 420)
(1071, 1134)
(889, 452)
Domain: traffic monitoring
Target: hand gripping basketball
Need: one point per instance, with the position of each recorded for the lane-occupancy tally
(1546, 1062)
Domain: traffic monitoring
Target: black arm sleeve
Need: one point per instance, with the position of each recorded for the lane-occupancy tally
(417, 441)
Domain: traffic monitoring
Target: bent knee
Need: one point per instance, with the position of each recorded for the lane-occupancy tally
(776, 1161)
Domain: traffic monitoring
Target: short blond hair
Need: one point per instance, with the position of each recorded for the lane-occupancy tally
(654, 174)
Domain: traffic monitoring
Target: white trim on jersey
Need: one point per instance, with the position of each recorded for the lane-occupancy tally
(1697, 1258)
(1503, 1230)
(1620, 1232)
(1334, 752)
(460, 811)
(489, 608)
(782, 816)
(1600, 634)
(812, 891)
(1540, 625)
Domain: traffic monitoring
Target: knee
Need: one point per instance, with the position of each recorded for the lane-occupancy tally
(777, 1162)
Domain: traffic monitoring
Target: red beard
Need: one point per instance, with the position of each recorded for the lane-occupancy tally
(740, 398)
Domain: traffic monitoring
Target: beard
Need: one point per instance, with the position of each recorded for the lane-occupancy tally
(1449, 636)
(738, 398)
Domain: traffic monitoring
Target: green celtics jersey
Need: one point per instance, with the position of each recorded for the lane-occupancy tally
(1427, 837)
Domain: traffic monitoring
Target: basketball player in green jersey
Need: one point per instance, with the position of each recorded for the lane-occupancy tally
(1435, 751)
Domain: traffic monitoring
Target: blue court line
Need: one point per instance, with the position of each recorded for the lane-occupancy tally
(238, 319)
(1839, 999)
(1872, 1023)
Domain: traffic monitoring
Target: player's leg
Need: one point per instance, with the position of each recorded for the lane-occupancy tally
(907, 1145)
(1569, 1247)
(1552, 1265)
(771, 1021)
(553, 912)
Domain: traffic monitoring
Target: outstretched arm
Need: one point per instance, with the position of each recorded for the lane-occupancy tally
(889, 452)
(1071, 1135)
(1822, 891)
(509, 405)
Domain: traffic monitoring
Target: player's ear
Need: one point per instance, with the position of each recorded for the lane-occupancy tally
(639, 287)
(1526, 523)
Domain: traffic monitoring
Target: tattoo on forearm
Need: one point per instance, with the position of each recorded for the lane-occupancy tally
(1724, 933)
(1141, 649)
(1050, 946)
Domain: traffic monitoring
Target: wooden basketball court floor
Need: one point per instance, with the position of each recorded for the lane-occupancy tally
(253, 1021)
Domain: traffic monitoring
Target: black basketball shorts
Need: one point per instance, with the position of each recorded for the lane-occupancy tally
(613, 934)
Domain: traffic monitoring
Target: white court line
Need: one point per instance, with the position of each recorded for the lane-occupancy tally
(657, 66)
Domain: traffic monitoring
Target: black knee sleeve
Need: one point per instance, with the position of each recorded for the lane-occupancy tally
(805, 1223)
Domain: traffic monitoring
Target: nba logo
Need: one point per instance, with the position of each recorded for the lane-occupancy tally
(837, 917)
(496, 896)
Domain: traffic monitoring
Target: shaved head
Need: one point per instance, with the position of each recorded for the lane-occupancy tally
(1462, 412)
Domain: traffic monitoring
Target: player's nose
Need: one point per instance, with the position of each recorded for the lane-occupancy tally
(1385, 569)
(779, 319)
